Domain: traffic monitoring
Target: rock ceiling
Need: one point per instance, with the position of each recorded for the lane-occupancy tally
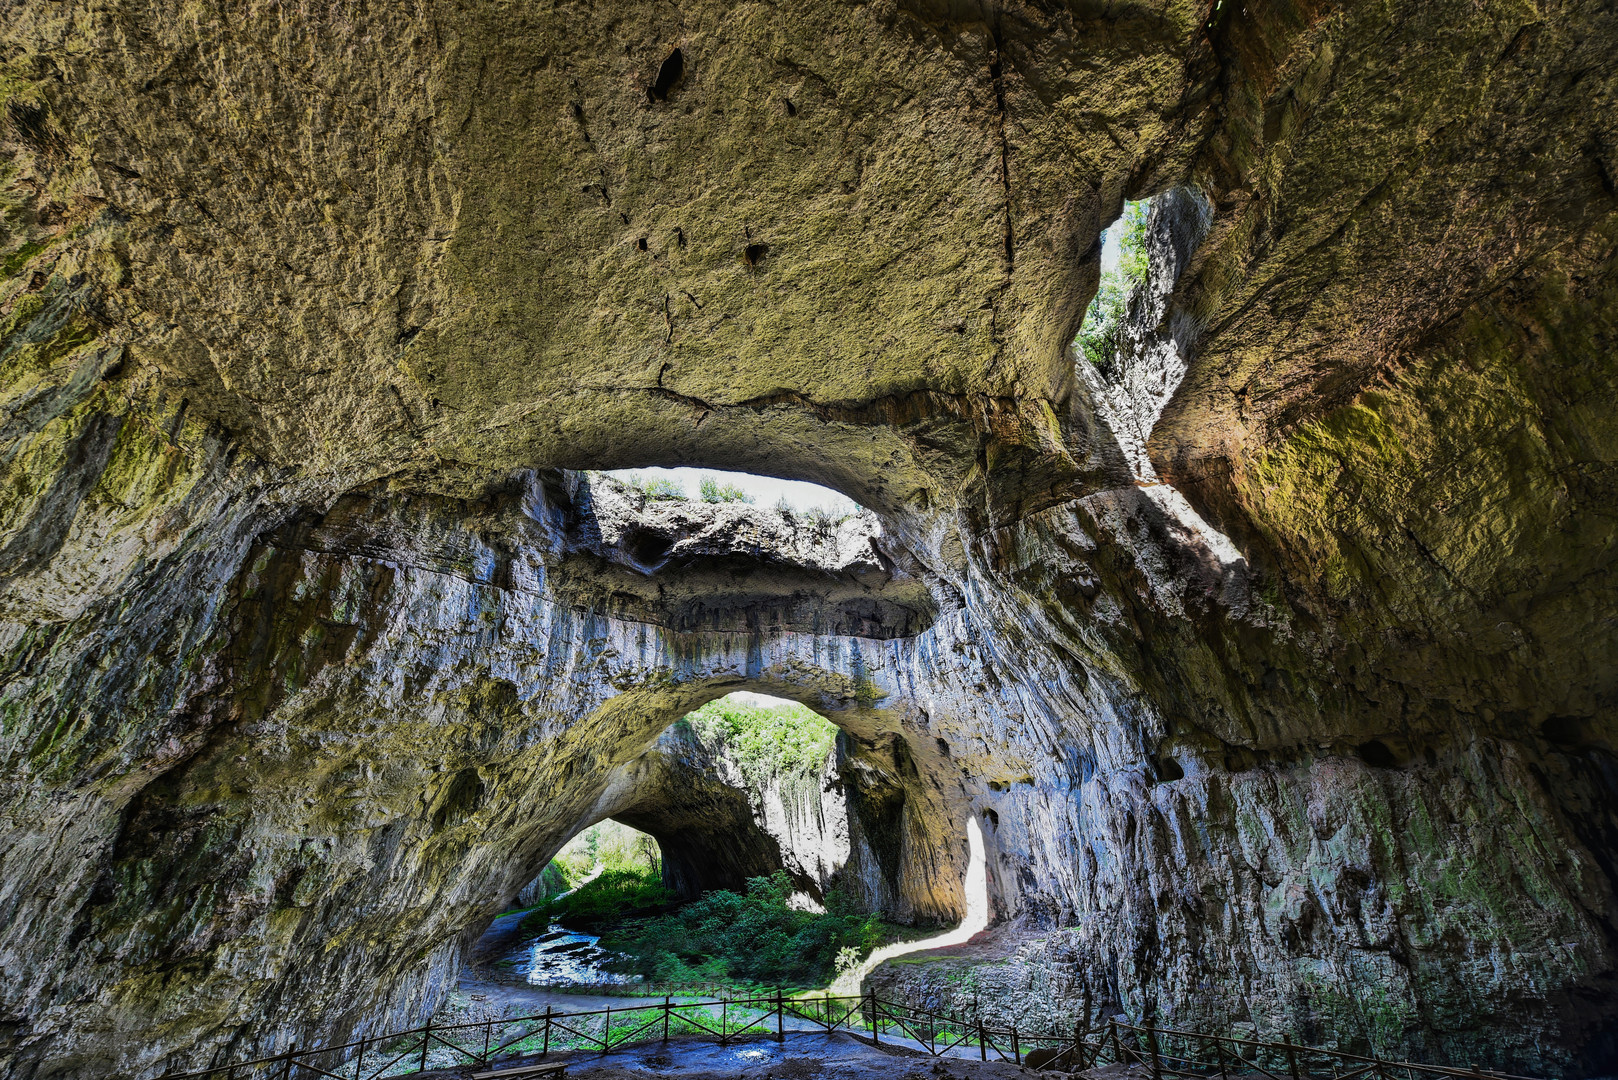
(316, 644)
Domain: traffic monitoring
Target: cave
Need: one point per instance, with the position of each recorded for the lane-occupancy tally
(1257, 610)
(843, 818)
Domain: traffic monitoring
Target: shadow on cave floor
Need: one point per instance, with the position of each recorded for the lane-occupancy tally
(804, 1056)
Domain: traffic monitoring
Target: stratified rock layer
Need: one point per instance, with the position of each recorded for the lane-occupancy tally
(314, 654)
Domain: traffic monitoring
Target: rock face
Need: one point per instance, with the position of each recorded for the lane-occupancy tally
(1290, 707)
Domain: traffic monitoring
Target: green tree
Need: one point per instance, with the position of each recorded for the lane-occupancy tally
(1104, 319)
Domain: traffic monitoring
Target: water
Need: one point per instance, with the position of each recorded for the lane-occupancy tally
(560, 957)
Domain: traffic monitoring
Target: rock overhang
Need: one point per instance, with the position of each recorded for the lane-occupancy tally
(277, 315)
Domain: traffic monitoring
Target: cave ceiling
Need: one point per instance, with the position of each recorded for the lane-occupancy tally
(319, 637)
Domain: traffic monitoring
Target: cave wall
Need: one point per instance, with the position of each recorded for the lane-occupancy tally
(1317, 739)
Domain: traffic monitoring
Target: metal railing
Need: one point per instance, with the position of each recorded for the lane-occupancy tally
(1163, 1052)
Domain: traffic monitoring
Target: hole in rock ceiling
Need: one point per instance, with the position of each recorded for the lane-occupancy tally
(1123, 268)
(714, 486)
(668, 76)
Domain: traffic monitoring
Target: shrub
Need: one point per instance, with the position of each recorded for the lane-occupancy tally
(754, 937)
(654, 487)
(715, 492)
(768, 743)
(611, 896)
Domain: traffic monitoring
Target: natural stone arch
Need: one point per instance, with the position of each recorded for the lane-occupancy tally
(877, 829)
(1400, 376)
(419, 758)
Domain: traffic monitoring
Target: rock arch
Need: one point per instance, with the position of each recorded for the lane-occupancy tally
(291, 352)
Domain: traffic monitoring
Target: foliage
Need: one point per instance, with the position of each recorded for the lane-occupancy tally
(1132, 241)
(767, 742)
(755, 937)
(715, 492)
(1098, 336)
(825, 519)
(607, 898)
(609, 845)
(553, 881)
(654, 487)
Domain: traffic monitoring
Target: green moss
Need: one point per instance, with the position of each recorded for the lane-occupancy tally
(20, 258)
(23, 312)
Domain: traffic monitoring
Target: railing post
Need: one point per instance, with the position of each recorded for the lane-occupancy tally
(546, 1049)
(780, 1016)
(876, 1029)
(1292, 1057)
(666, 1000)
(606, 1031)
(1151, 1044)
(488, 1037)
(983, 1041)
(286, 1068)
(1016, 1049)
(1219, 1048)
(359, 1059)
(724, 1020)
(1117, 1046)
(426, 1040)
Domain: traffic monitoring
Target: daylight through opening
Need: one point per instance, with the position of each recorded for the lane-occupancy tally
(753, 843)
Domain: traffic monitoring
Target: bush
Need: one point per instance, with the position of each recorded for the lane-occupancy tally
(768, 743)
(755, 937)
(715, 492)
(654, 487)
(610, 897)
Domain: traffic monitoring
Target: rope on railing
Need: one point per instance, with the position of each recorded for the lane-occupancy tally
(1165, 1052)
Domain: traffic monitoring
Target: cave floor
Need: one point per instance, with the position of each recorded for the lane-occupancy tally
(804, 1056)
(493, 990)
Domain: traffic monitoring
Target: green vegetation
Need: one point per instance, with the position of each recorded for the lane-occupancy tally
(715, 492)
(609, 845)
(603, 874)
(1098, 336)
(654, 487)
(19, 258)
(605, 899)
(752, 938)
(768, 742)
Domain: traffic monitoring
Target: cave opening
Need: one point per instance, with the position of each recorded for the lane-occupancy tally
(787, 496)
(748, 811)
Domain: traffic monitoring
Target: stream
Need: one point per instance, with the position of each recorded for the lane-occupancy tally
(560, 957)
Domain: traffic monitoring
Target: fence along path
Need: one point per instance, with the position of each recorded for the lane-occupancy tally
(1161, 1052)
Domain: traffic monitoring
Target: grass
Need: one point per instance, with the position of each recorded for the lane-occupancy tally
(714, 491)
(654, 487)
(608, 898)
